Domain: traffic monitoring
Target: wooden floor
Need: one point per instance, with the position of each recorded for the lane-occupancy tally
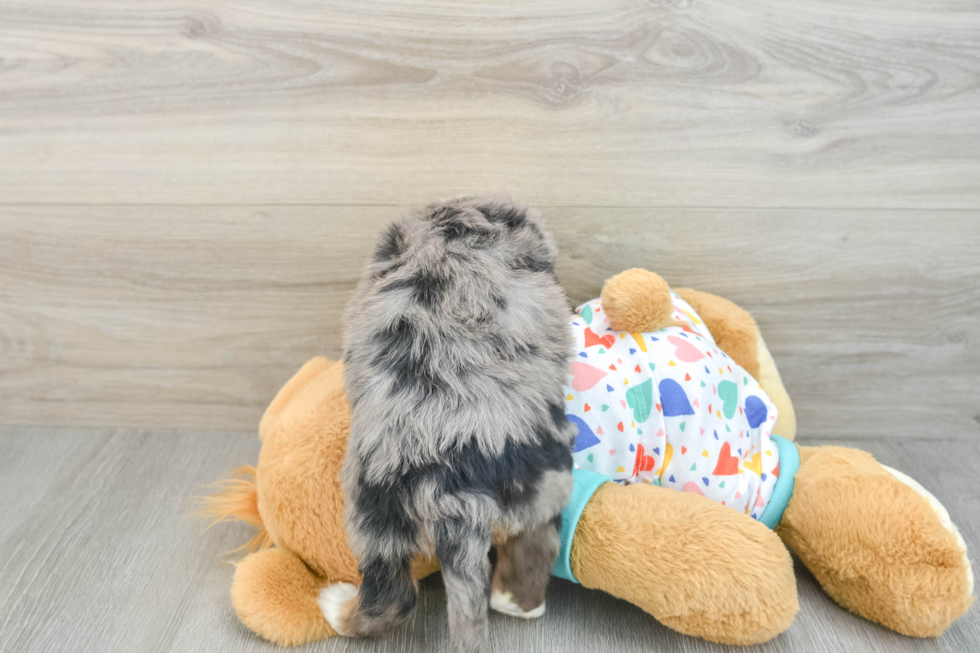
(99, 554)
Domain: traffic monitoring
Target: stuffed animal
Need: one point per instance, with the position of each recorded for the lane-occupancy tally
(879, 544)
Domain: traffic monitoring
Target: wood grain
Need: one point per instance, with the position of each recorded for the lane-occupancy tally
(757, 103)
(188, 191)
(99, 554)
(194, 316)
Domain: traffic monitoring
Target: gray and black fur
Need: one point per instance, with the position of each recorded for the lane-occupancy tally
(457, 345)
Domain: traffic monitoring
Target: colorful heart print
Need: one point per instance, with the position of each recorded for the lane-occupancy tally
(727, 463)
(692, 487)
(755, 411)
(640, 399)
(728, 392)
(673, 399)
(585, 376)
(644, 463)
(585, 437)
(685, 351)
(592, 339)
(755, 465)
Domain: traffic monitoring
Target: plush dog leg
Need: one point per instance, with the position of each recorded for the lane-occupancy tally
(699, 567)
(275, 595)
(879, 544)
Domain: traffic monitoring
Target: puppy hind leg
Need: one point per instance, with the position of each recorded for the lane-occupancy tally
(524, 564)
(385, 600)
(463, 553)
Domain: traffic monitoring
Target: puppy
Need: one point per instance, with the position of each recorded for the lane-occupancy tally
(457, 344)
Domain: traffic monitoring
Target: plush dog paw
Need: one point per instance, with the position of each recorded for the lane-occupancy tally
(878, 542)
(335, 602)
(275, 595)
(504, 603)
(943, 516)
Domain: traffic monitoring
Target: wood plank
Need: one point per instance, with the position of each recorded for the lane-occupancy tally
(194, 316)
(169, 315)
(759, 103)
(109, 559)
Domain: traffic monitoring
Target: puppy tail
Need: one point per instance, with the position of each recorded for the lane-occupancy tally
(237, 499)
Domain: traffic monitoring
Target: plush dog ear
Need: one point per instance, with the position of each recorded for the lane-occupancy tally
(637, 301)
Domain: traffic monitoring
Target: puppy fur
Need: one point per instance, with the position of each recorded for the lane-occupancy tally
(457, 345)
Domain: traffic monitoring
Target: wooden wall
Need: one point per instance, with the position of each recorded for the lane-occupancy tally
(188, 190)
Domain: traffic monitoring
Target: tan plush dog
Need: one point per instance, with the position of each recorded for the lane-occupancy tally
(879, 544)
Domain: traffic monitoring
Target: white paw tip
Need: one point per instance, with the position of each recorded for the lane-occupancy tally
(333, 600)
(944, 519)
(503, 602)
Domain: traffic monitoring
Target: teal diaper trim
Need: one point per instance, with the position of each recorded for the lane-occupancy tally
(789, 464)
(585, 485)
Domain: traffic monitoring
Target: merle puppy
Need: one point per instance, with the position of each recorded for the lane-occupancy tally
(457, 342)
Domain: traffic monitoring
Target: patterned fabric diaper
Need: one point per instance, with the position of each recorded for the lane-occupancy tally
(671, 409)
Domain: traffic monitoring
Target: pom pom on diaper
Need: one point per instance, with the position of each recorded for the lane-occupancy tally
(637, 301)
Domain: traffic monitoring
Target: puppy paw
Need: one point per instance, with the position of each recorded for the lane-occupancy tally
(336, 602)
(503, 602)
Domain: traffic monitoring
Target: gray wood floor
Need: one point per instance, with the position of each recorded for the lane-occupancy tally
(98, 553)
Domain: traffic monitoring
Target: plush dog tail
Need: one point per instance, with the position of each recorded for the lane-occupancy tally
(237, 499)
